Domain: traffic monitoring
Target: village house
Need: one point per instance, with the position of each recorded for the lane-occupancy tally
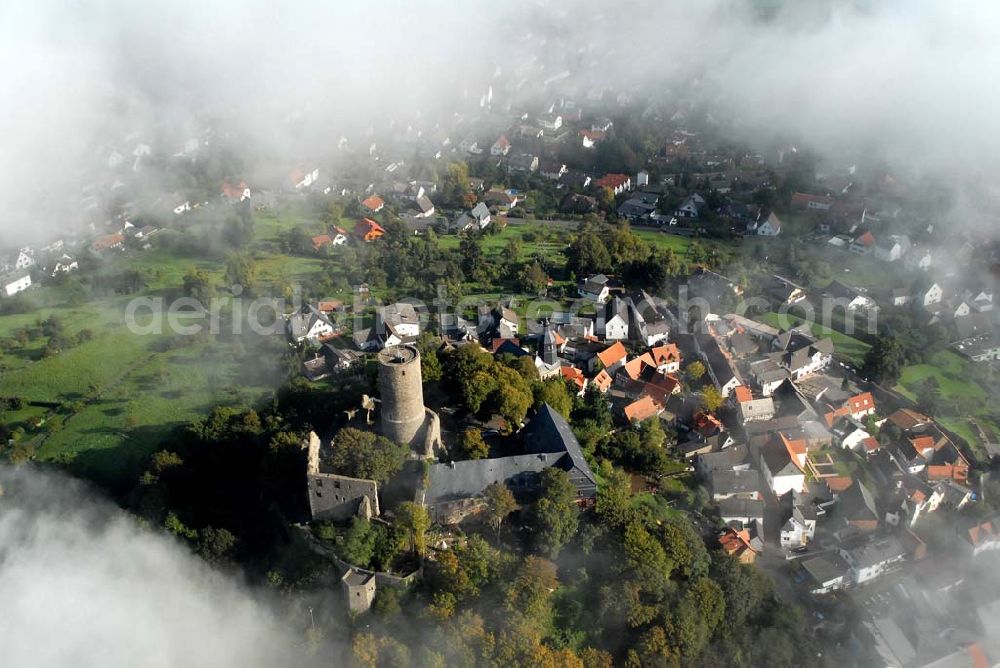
(742, 511)
(781, 461)
(15, 283)
(617, 183)
(806, 202)
(235, 193)
(892, 247)
(454, 490)
(692, 207)
(870, 558)
(501, 146)
(590, 138)
(596, 288)
(863, 244)
(770, 227)
(25, 259)
(373, 204)
(613, 358)
(736, 543)
(612, 321)
(299, 179)
(368, 230)
(309, 324)
(800, 528)
(503, 200)
(522, 162)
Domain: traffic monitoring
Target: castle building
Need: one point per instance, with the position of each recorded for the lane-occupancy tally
(403, 417)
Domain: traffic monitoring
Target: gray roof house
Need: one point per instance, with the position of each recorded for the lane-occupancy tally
(454, 489)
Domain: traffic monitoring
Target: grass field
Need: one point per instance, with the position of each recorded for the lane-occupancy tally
(845, 346)
(952, 373)
(119, 395)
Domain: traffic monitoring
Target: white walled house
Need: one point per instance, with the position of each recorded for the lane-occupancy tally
(781, 473)
(873, 558)
(799, 529)
(770, 227)
(596, 289)
(25, 259)
(614, 325)
(64, 265)
(16, 283)
(933, 295)
(309, 324)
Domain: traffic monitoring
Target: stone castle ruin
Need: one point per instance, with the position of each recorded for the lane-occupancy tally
(337, 497)
(403, 417)
(400, 416)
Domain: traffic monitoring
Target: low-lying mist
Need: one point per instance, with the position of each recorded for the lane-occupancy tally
(83, 585)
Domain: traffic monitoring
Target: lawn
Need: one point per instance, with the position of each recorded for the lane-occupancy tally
(953, 375)
(858, 271)
(844, 346)
(121, 394)
(536, 238)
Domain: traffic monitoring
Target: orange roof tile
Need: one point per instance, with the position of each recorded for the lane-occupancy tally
(743, 394)
(373, 203)
(706, 423)
(665, 353)
(634, 366)
(612, 354)
(642, 409)
(573, 374)
(835, 415)
(602, 380)
(861, 402)
(612, 180)
(796, 449)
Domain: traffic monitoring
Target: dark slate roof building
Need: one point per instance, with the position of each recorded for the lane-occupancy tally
(548, 432)
(453, 489)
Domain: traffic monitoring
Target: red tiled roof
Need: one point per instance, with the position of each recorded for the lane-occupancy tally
(373, 203)
(234, 192)
(665, 353)
(612, 180)
(573, 374)
(871, 444)
(861, 402)
(834, 415)
(907, 419)
(706, 423)
(796, 449)
(612, 354)
(642, 409)
(866, 239)
(743, 394)
(634, 366)
(602, 380)
(496, 343)
(368, 229)
(981, 532)
(803, 199)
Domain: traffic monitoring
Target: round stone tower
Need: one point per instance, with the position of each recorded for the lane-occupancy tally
(402, 414)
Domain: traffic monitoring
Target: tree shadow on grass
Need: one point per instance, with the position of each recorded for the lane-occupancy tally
(117, 469)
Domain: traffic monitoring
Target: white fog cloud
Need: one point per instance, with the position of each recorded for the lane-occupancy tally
(907, 80)
(82, 585)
